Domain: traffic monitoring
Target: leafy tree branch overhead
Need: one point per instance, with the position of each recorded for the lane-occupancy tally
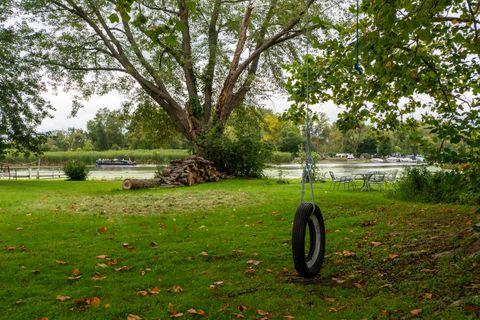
(198, 60)
(417, 56)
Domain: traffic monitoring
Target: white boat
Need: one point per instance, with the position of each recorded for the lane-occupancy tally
(377, 160)
(393, 159)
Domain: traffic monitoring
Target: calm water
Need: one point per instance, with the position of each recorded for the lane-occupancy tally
(290, 171)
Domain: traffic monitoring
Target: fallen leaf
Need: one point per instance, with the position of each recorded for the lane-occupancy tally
(10, 248)
(19, 229)
(154, 291)
(393, 256)
(428, 295)
(250, 271)
(223, 307)
(102, 265)
(238, 316)
(219, 283)
(358, 285)
(263, 312)
(376, 243)
(133, 317)
(61, 262)
(429, 270)
(95, 301)
(103, 256)
(63, 298)
(123, 268)
(76, 272)
(75, 278)
(285, 270)
(153, 244)
(204, 254)
(112, 262)
(348, 253)
(332, 309)
(289, 317)
(254, 262)
(199, 312)
(416, 312)
(142, 293)
(242, 308)
(98, 276)
(471, 308)
(102, 230)
(338, 280)
(19, 301)
(269, 270)
(175, 289)
(330, 299)
(42, 318)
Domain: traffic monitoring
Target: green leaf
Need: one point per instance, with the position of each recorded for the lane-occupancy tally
(113, 18)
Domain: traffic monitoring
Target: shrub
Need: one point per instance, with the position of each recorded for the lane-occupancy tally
(442, 186)
(75, 170)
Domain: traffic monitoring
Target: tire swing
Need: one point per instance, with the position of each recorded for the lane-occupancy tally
(308, 221)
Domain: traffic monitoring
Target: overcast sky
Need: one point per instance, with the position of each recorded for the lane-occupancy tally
(62, 102)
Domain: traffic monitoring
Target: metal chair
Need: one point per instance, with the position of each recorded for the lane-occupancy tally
(378, 178)
(336, 181)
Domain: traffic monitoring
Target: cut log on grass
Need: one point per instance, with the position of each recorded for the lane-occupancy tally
(184, 172)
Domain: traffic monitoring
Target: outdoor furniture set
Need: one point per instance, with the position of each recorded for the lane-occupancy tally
(368, 179)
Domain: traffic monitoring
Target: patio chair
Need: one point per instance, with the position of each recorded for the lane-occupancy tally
(391, 176)
(336, 181)
(378, 178)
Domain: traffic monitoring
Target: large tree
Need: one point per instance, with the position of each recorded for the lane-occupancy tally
(417, 58)
(21, 105)
(197, 59)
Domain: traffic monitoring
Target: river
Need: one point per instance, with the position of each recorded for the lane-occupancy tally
(288, 171)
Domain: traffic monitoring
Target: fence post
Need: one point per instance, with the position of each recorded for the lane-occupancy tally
(38, 169)
(29, 172)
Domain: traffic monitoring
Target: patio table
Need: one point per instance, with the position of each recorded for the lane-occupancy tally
(365, 176)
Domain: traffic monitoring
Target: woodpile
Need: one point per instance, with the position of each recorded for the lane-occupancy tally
(184, 172)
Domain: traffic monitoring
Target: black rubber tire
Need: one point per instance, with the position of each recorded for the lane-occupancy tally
(308, 265)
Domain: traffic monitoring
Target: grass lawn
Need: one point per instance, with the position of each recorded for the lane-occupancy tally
(223, 249)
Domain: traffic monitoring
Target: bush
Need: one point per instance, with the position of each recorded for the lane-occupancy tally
(75, 170)
(442, 186)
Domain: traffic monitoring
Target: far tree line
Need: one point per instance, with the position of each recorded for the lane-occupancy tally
(120, 129)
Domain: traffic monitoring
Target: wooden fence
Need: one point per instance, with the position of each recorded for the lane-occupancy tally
(14, 173)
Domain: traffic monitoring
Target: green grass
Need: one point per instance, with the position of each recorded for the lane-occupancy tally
(44, 224)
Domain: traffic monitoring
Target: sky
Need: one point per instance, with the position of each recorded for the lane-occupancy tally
(62, 102)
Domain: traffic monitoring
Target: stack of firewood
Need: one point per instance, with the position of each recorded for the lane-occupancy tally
(184, 172)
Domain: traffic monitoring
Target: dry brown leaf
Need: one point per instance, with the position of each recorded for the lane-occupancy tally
(175, 289)
(330, 299)
(250, 271)
(428, 295)
(204, 254)
(63, 298)
(254, 262)
(212, 286)
(111, 262)
(238, 316)
(285, 270)
(269, 270)
(348, 253)
(242, 308)
(133, 317)
(61, 262)
(19, 301)
(219, 283)
(338, 280)
(176, 315)
(123, 268)
(153, 244)
(142, 293)
(223, 307)
(263, 312)
(393, 256)
(102, 265)
(76, 272)
(429, 270)
(154, 291)
(289, 317)
(98, 276)
(102, 229)
(471, 308)
(10, 248)
(358, 285)
(94, 301)
(376, 243)
(103, 256)
(332, 309)
(416, 312)
(75, 278)
(42, 318)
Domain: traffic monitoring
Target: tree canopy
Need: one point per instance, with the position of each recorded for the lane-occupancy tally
(420, 59)
(21, 105)
(197, 59)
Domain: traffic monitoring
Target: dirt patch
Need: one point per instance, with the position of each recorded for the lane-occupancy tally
(159, 203)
